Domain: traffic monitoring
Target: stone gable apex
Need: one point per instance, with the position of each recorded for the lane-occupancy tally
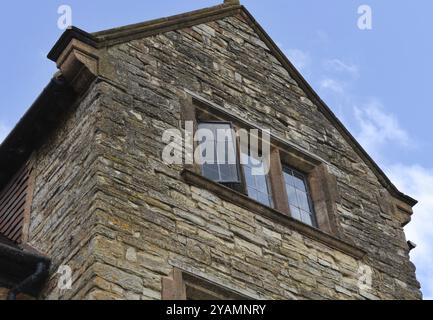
(111, 37)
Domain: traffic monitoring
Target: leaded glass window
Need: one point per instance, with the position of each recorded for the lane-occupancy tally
(299, 197)
(257, 180)
(218, 146)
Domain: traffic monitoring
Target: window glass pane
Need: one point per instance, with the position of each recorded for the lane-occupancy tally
(203, 138)
(299, 182)
(210, 171)
(223, 165)
(298, 196)
(261, 183)
(306, 218)
(303, 200)
(226, 152)
(291, 193)
(207, 132)
(289, 178)
(296, 213)
(249, 179)
(208, 155)
(264, 199)
(207, 144)
(256, 180)
(228, 172)
(252, 193)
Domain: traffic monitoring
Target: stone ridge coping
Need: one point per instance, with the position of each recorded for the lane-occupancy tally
(144, 29)
(274, 215)
(176, 21)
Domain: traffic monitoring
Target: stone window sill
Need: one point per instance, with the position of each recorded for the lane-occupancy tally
(274, 215)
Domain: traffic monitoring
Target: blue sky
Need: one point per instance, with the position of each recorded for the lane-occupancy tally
(377, 81)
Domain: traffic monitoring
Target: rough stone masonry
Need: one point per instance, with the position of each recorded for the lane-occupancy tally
(107, 206)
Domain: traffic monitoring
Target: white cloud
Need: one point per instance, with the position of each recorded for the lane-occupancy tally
(299, 58)
(378, 128)
(4, 131)
(336, 65)
(333, 85)
(417, 181)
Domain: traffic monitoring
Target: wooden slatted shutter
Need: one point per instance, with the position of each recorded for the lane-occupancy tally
(15, 202)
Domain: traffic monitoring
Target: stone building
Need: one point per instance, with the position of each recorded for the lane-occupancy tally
(85, 188)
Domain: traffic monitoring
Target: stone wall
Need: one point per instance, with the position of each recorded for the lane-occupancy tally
(153, 221)
(107, 206)
(63, 201)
